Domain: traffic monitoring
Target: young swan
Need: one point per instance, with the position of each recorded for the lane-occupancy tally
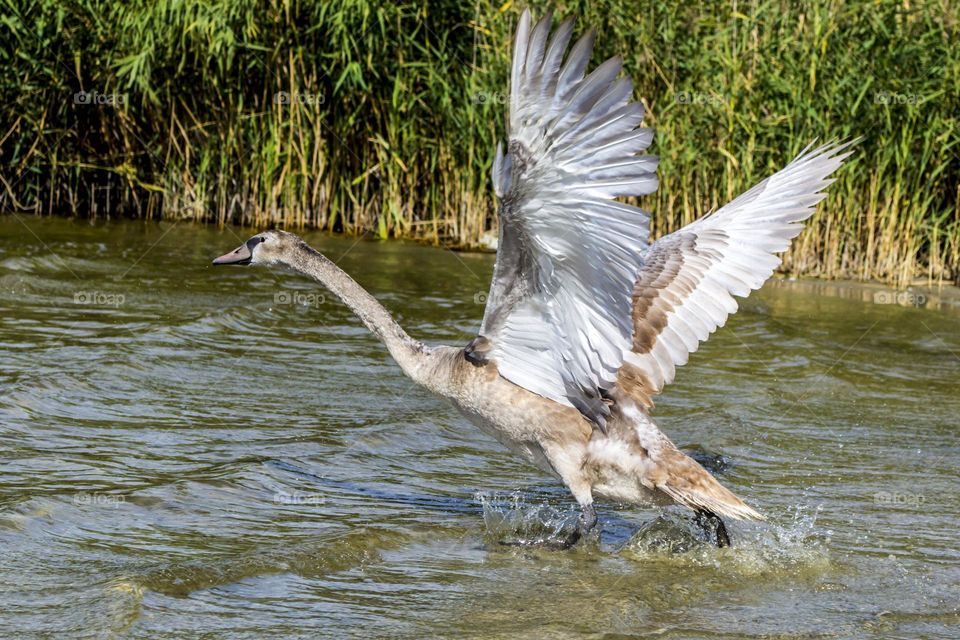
(629, 460)
(586, 320)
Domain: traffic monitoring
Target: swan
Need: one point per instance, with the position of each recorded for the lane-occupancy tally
(587, 320)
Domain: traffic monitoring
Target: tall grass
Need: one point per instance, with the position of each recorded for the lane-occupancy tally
(361, 116)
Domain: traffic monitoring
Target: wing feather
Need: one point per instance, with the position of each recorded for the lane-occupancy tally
(686, 286)
(581, 307)
(569, 254)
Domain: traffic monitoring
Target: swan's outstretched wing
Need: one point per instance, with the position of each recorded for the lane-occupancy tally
(557, 320)
(686, 286)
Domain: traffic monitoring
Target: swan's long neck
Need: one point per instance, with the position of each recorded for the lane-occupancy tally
(408, 353)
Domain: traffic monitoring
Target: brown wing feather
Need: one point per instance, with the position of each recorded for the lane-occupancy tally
(670, 275)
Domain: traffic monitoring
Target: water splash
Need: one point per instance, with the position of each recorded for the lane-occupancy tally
(512, 520)
(793, 546)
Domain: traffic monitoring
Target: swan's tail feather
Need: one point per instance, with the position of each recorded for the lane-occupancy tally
(691, 485)
(637, 447)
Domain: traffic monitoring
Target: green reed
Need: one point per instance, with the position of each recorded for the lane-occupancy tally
(369, 117)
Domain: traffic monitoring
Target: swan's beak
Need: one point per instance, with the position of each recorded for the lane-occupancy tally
(240, 255)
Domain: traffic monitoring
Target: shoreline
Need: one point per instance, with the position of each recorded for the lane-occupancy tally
(921, 293)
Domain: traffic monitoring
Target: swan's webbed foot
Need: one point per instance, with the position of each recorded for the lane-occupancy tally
(712, 524)
(588, 519)
(585, 524)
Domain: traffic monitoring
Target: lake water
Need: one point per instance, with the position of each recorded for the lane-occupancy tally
(189, 451)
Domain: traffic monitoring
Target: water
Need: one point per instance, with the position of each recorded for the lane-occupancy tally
(190, 451)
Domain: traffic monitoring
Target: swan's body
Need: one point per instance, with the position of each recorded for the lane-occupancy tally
(585, 320)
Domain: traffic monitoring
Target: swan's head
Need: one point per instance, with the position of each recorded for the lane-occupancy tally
(268, 247)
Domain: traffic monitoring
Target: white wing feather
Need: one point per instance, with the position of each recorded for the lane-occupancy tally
(558, 314)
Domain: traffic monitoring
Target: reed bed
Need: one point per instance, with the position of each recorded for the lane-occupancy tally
(366, 117)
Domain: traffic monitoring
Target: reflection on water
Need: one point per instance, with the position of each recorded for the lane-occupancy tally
(192, 451)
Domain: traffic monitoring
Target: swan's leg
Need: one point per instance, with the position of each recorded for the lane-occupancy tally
(712, 523)
(566, 459)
